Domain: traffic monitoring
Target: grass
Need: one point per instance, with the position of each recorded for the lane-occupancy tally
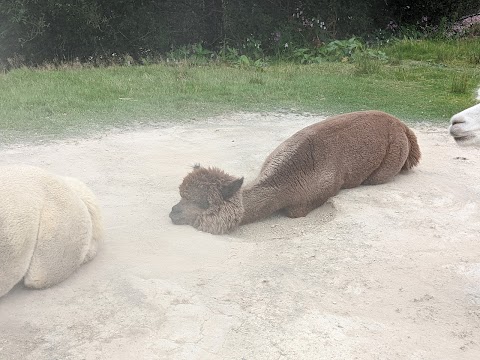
(447, 52)
(56, 103)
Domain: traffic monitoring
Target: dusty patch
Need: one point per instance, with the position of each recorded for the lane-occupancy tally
(380, 272)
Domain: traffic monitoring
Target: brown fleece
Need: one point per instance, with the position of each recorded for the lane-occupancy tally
(211, 201)
(344, 151)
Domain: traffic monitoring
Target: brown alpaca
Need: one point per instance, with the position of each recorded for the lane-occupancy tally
(344, 151)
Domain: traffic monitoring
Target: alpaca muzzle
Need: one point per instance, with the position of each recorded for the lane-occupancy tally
(176, 215)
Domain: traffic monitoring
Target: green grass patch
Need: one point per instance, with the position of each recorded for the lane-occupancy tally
(56, 103)
(446, 52)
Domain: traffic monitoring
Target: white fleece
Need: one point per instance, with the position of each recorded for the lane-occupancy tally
(49, 226)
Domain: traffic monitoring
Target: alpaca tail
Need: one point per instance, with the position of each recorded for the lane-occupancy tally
(414, 153)
(90, 201)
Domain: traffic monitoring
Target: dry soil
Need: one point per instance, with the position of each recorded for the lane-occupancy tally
(379, 272)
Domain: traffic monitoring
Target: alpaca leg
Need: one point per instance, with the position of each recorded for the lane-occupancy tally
(17, 242)
(63, 239)
(302, 210)
(392, 163)
(298, 210)
(322, 190)
(11, 276)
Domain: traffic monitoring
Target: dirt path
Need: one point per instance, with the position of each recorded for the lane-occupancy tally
(383, 272)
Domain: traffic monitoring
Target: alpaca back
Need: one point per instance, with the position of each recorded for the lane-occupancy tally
(349, 146)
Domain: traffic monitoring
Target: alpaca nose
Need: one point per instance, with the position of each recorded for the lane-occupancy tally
(458, 120)
(177, 216)
(175, 210)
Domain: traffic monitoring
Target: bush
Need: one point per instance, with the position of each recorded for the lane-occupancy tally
(35, 31)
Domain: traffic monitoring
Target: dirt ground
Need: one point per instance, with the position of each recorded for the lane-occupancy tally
(379, 272)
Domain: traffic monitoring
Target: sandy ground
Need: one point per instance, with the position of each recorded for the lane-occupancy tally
(379, 272)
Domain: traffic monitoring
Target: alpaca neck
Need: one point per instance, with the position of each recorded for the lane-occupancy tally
(258, 203)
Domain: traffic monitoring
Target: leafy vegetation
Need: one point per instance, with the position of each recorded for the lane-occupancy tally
(98, 32)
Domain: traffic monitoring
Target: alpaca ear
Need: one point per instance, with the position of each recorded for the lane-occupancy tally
(231, 188)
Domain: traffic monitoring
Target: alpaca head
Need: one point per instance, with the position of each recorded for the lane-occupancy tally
(465, 126)
(210, 201)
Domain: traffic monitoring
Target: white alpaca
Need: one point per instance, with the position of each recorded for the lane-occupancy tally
(465, 126)
(49, 226)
